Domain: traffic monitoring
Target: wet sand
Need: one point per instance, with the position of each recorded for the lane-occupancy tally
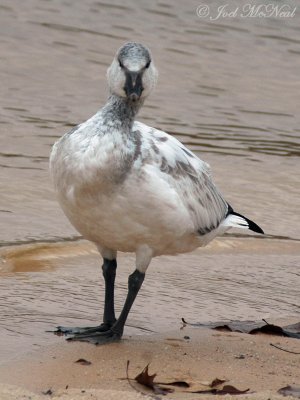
(49, 284)
(34, 361)
(245, 361)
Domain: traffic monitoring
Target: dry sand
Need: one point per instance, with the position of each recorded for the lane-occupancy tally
(245, 361)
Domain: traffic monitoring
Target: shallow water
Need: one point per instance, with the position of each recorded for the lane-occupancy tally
(229, 89)
(43, 286)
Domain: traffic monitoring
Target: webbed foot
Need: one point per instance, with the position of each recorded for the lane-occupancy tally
(96, 337)
(64, 330)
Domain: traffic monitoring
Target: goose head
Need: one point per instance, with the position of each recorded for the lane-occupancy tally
(132, 74)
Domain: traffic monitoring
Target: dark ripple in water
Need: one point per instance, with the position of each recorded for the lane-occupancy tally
(184, 50)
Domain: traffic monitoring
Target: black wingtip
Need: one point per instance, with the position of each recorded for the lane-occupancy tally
(252, 225)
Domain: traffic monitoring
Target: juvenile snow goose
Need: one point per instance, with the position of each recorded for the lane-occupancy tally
(129, 187)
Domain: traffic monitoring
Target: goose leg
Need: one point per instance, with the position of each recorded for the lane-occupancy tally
(115, 333)
(109, 273)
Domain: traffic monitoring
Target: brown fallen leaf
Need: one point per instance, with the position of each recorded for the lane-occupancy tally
(213, 387)
(48, 392)
(153, 396)
(226, 389)
(83, 361)
(217, 382)
(290, 390)
(206, 387)
(193, 386)
(179, 383)
(148, 380)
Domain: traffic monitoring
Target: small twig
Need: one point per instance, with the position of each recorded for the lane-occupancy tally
(184, 323)
(281, 348)
(129, 379)
(137, 390)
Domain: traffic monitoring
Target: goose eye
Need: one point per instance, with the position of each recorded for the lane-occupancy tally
(121, 65)
(148, 64)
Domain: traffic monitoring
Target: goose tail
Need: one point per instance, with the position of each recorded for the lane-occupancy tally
(236, 220)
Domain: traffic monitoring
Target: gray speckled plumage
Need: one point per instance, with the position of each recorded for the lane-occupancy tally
(130, 187)
(133, 50)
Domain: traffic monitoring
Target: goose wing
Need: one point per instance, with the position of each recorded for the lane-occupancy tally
(184, 172)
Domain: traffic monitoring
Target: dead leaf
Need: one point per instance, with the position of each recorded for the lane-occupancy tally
(83, 361)
(193, 386)
(277, 330)
(293, 327)
(290, 390)
(217, 382)
(148, 380)
(252, 327)
(48, 392)
(144, 378)
(179, 383)
(227, 389)
(153, 396)
(213, 387)
(196, 386)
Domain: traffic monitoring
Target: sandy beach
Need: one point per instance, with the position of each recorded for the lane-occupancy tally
(37, 364)
(194, 355)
